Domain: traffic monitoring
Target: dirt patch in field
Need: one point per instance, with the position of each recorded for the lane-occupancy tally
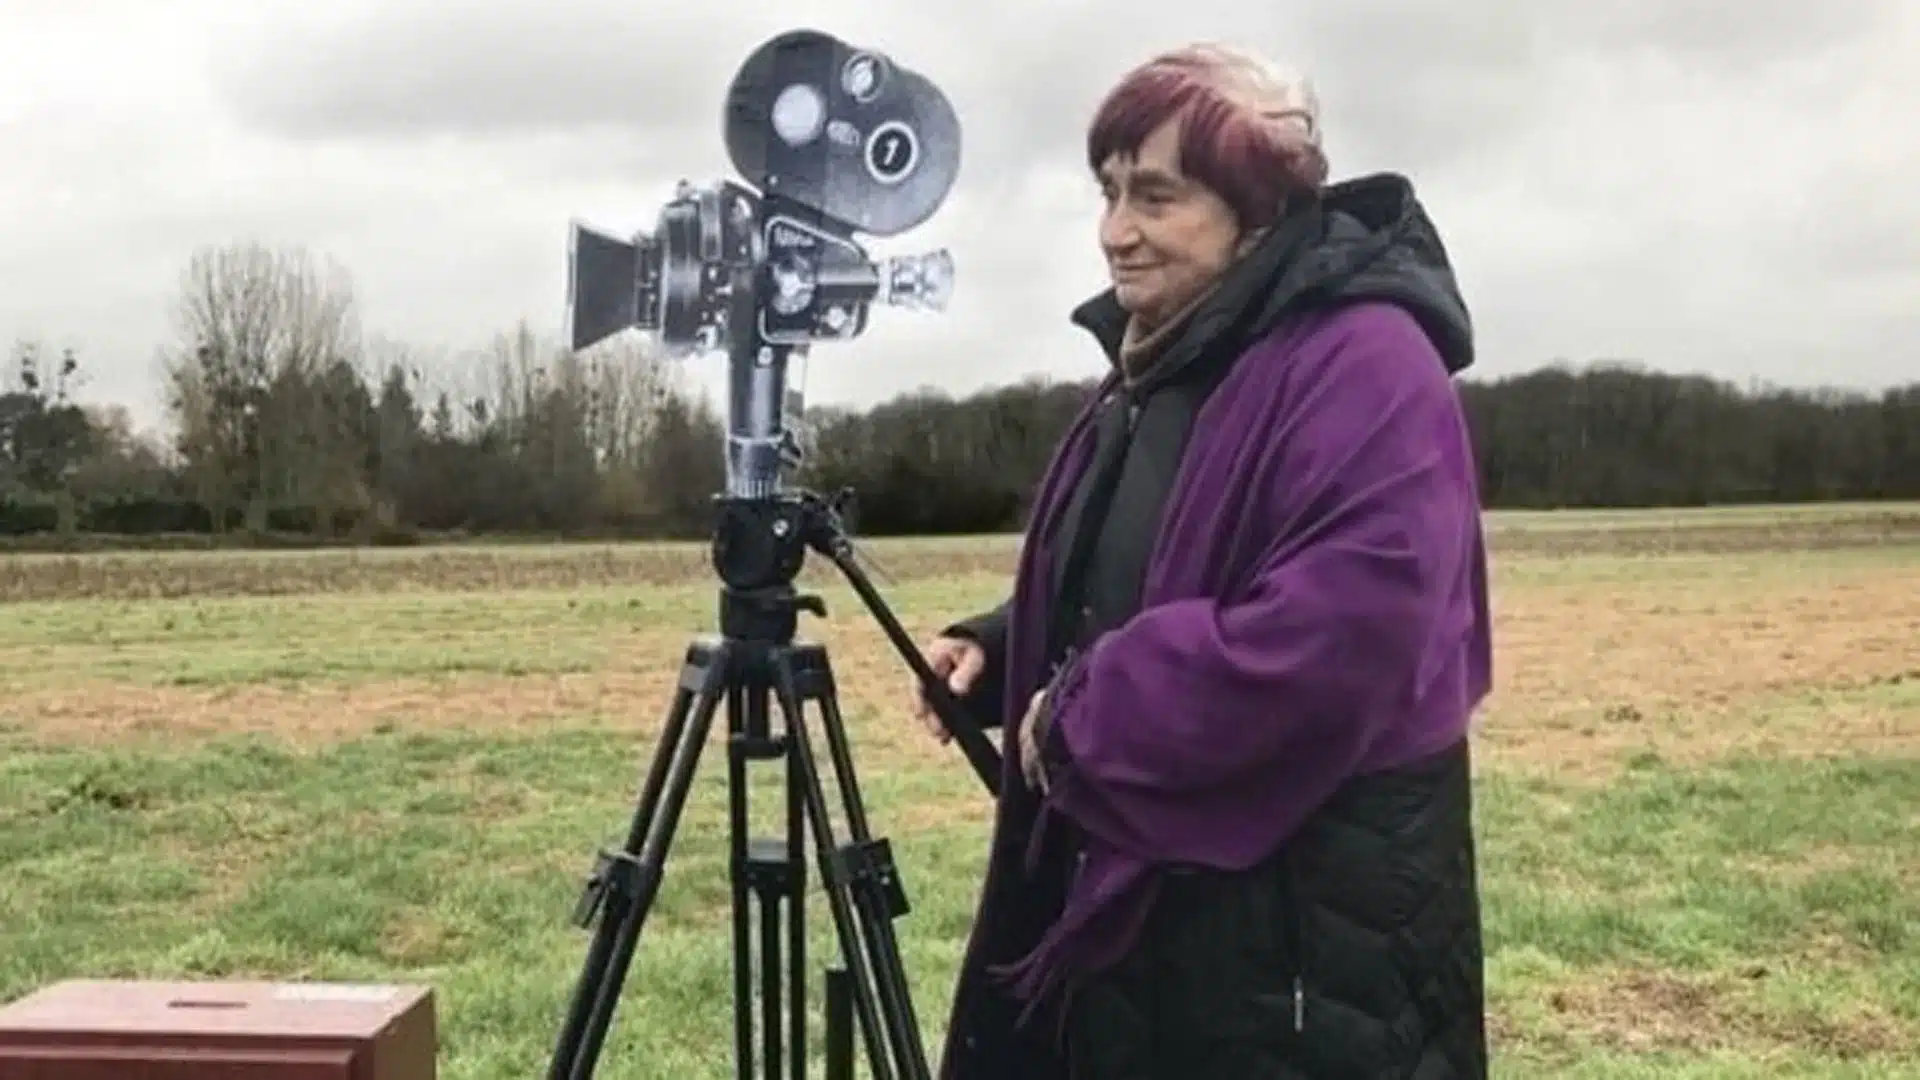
(162, 575)
(1839, 531)
(1653, 1011)
(321, 711)
(481, 567)
(871, 691)
(1590, 675)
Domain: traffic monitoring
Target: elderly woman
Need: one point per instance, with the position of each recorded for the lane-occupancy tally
(1248, 630)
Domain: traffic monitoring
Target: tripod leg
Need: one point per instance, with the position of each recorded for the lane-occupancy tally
(768, 877)
(771, 1020)
(770, 873)
(741, 879)
(802, 674)
(879, 892)
(839, 1021)
(621, 889)
(797, 916)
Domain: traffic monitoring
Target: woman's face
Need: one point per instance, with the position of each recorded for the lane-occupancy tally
(1165, 236)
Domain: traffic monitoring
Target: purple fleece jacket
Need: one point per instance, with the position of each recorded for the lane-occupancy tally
(1315, 608)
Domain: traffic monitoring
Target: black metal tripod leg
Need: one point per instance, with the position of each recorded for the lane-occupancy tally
(799, 675)
(868, 862)
(797, 914)
(772, 1018)
(767, 874)
(877, 887)
(839, 902)
(737, 856)
(839, 999)
(620, 891)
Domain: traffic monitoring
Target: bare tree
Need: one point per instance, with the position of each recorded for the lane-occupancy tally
(259, 380)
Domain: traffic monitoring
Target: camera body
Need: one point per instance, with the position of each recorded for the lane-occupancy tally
(868, 145)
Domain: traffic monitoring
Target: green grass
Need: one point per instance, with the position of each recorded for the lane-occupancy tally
(1693, 915)
(1787, 890)
(452, 860)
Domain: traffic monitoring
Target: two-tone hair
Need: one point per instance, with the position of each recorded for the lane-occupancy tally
(1250, 131)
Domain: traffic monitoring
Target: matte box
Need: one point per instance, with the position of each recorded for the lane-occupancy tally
(138, 1030)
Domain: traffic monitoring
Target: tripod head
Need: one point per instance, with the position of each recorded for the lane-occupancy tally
(830, 140)
(759, 546)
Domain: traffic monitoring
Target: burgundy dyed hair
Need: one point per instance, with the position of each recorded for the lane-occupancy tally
(1248, 136)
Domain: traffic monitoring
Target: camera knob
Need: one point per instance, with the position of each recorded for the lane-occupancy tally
(793, 283)
(798, 114)
(863, 76)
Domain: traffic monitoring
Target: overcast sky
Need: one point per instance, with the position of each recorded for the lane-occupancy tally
(1701, 185)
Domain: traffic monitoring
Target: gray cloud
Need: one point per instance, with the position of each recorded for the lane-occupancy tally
(1701, 185)
(1431, 80)
(404, 71)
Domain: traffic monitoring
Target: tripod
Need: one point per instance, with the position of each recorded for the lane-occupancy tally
(759, 545)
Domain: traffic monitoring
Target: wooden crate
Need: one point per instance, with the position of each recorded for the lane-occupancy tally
(137, 1030)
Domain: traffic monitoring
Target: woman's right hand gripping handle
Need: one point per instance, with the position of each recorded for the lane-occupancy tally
(960, 661)
(969, 655)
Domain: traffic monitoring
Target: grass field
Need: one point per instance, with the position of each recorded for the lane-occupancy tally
(1699, 794)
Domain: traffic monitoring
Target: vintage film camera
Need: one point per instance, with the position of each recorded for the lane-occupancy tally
(831, 140)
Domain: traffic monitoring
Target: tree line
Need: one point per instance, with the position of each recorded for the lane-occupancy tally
(287, 422)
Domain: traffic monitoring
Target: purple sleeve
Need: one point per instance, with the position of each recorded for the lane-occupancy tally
(1251, 708)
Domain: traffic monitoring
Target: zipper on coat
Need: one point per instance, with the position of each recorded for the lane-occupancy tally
(1295, 938)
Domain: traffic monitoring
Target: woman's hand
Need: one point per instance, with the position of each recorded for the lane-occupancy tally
(958, 660)
(1033, 735)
